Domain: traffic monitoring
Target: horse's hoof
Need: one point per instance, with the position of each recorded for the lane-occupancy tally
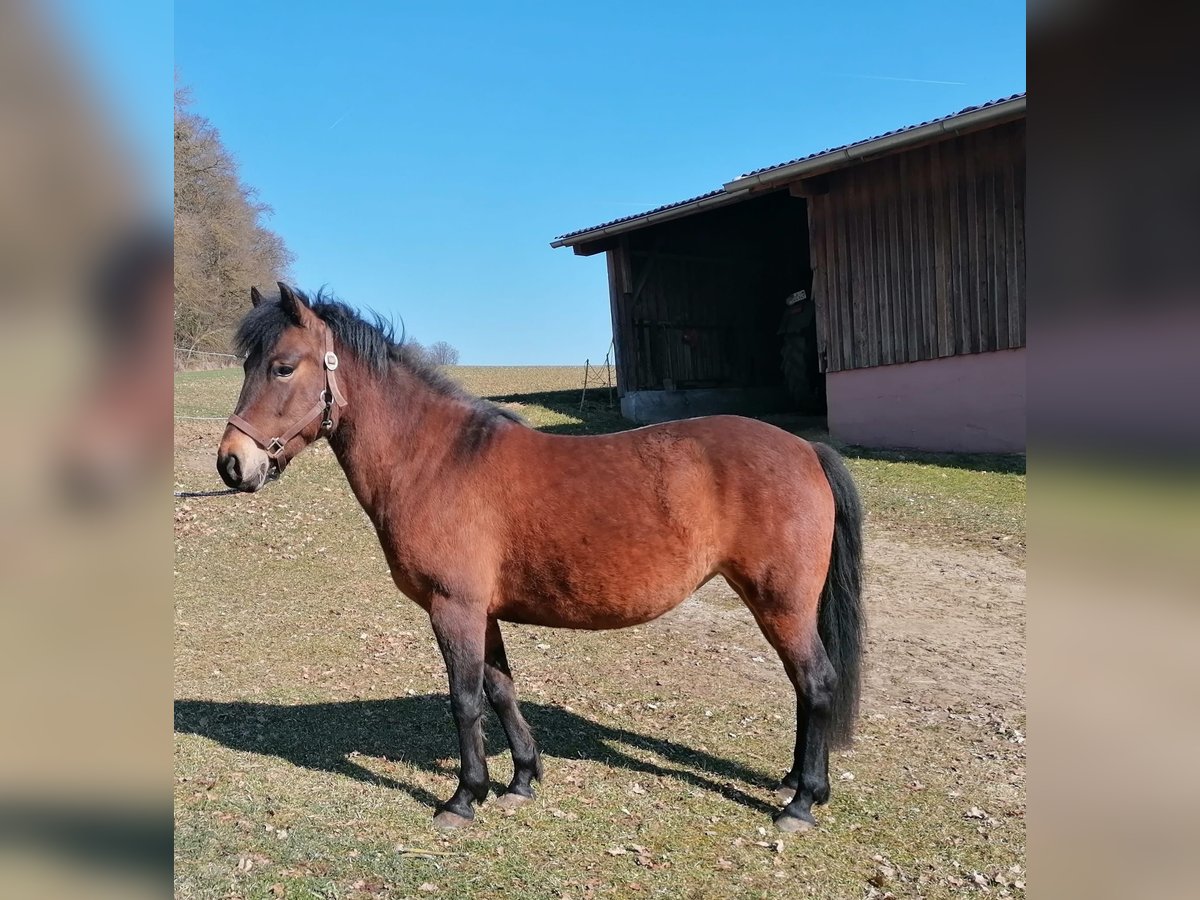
(449, 821)
(785, 794)
(511, 801)
(793, 824)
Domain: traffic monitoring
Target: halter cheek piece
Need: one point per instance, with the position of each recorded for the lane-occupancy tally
(324, 407)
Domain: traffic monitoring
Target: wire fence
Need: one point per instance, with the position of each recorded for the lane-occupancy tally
(601, 378)
(187, 360)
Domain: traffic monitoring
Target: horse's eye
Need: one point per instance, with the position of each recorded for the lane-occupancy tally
(283, 371)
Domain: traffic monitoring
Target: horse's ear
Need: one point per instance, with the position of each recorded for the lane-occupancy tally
(255, 297)
(293, 304)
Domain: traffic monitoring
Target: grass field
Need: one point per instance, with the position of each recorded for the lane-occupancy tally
(313, 731)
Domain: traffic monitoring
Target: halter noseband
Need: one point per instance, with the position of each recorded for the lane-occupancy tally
(324, 407)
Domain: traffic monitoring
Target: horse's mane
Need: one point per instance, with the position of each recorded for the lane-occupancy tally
(373, 343)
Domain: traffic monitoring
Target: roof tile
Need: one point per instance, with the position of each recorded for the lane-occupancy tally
(953, 115)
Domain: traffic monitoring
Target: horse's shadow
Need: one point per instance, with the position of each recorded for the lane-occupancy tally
(419, 730)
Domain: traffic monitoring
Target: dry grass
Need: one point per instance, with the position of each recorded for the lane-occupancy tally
(313, 732)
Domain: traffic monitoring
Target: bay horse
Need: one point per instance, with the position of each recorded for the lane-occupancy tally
(483, 519)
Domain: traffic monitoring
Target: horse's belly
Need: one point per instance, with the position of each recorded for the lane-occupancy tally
(593, 609)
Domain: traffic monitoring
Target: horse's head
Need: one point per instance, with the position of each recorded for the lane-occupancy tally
(290, 394)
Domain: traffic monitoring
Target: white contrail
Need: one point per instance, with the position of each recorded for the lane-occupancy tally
(911, 80)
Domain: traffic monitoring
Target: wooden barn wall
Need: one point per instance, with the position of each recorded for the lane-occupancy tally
(697, 303)
(921, 254)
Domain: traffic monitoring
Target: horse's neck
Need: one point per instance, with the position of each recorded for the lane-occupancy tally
(392, 437)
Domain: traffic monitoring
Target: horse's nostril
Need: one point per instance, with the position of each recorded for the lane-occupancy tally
(233, 468)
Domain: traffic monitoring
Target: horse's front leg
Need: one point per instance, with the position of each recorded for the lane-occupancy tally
(461, 633)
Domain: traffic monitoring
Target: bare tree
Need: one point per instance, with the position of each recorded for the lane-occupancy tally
(221, 245)
(415, 350)
(442, 354)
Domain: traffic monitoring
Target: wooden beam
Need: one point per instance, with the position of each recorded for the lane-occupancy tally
(591, 248)
(810, 187)
(626, 267)
(621, 335)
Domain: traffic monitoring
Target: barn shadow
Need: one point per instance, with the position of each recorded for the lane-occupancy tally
(596, 417)
(1006, 463)
(419, 731)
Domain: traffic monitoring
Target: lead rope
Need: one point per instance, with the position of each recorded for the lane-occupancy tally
(224, 492)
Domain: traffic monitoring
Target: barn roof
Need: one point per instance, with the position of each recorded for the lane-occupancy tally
(667, 211)
(993, 111)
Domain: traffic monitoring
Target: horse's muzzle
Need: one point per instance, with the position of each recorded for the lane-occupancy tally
(247, 475)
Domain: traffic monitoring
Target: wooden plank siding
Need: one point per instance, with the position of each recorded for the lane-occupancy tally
(921, 254)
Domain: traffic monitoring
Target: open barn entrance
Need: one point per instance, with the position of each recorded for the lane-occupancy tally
(701, 313)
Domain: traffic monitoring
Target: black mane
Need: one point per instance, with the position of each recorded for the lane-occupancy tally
(372, 343)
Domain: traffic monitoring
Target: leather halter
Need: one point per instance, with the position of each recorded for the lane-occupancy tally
(324, 406)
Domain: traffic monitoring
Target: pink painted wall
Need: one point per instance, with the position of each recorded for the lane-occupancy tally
(973, 403)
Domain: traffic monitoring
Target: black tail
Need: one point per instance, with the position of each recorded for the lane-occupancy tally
(841, 619)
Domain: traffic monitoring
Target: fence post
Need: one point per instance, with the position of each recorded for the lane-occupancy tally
(608, 369)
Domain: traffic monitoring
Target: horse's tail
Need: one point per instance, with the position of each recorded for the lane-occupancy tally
(841, 619)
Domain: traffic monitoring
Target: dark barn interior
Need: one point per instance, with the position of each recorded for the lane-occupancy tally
(698, 303)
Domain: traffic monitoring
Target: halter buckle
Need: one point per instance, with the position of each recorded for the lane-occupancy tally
(331, 360)
(275, 447)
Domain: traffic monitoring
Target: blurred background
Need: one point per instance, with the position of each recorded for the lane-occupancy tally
(1114, 427)
(86, 94)
(85, 547)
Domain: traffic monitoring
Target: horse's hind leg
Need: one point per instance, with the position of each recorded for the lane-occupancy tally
(790, 626)
(808, 781)
(502, 694)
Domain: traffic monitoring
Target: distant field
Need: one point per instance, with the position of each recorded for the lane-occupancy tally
(313, 734)
(490, 381)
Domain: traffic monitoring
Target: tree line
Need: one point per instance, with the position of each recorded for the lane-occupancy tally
(222, 245)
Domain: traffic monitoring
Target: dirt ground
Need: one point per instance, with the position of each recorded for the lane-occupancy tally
(944, 624)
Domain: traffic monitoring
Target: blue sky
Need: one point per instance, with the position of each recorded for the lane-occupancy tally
(420, 157)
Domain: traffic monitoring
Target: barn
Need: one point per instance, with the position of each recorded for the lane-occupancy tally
(880, 285)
